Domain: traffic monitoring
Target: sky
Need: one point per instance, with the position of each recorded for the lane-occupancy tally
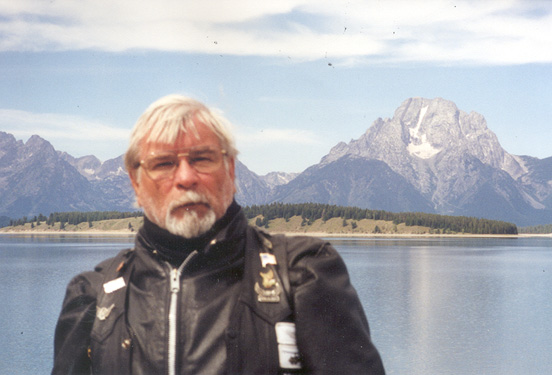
(294, 77)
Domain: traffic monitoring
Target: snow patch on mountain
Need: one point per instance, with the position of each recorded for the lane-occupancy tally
(419, 146)
(120, 172)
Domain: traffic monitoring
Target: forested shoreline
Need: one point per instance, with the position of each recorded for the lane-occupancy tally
(74, 218)
(537, 229)
(309, 212)
(264, 215)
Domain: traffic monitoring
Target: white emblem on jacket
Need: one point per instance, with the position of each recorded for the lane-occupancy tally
(288, 352)
(114, 285)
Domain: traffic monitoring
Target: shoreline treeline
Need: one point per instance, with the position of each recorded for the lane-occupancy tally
(75, 217)
(309, 212)
(314, 211)
(537, 229)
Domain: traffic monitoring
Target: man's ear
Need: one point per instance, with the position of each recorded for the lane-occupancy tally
(133, 175)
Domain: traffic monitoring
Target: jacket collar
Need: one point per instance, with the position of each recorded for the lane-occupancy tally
(219, 242)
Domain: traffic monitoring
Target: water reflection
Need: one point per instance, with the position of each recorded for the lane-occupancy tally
(456, 306)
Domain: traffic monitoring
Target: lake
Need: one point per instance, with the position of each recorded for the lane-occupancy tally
(435, 305)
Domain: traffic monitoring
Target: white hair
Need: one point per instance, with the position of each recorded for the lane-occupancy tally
(165, 119)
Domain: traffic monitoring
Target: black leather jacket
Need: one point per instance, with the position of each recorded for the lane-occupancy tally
(219, 314)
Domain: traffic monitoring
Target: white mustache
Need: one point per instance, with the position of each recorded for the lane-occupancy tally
(188, 197)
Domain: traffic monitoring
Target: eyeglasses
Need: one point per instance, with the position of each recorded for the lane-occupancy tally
(160, 165)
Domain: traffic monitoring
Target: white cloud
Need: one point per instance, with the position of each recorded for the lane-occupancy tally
(82, 136)
(58, 127)
(276, 136)
(444, 31)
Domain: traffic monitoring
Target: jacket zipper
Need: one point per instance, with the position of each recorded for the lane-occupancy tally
(174, 277)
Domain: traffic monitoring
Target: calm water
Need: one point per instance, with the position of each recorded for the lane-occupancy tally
(435, 306)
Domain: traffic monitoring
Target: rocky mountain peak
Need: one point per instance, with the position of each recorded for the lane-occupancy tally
(112, 167)
(8, 148)
(451, 157)
(278, 178)
(36, 145)
(423, 129)
(437, 126)
(93, 169)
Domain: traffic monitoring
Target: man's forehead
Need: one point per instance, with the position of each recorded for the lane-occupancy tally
(199, 145)
(201, 136)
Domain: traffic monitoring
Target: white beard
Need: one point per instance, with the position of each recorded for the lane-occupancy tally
(190, 225)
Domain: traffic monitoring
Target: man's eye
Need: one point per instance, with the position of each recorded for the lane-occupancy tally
(201, 158)
(162, 164)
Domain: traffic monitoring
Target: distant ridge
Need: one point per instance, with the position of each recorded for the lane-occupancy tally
(429, 157)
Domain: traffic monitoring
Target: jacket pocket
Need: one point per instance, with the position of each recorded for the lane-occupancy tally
(111, 344)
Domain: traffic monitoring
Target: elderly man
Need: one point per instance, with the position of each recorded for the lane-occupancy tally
(202, 292)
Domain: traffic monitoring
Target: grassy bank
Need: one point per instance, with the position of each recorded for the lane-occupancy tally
(337, 226)
(127, 225)
(334, 226)
(294, 225)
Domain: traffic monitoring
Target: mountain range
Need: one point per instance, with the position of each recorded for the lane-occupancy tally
(429, 157)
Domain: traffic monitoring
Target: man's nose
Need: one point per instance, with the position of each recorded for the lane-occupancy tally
(185, 176)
